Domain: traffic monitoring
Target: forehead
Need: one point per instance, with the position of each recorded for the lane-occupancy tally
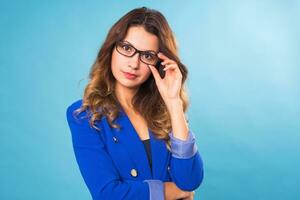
(141, 39)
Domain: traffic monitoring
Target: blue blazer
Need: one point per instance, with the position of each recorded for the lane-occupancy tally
(114, 162)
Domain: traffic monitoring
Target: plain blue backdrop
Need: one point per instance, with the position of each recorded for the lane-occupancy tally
(244, 86)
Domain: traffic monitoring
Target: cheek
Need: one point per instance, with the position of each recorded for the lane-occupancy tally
(115, 61)
(117, 64)
(143, 69)
(146, 72)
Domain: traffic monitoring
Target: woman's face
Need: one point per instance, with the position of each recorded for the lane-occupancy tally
(120, 64)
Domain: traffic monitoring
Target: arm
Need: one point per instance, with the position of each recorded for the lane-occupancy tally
(186, 169)
(186, 164)
(98, 170)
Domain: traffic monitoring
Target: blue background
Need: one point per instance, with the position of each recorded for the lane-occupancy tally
(243, 60)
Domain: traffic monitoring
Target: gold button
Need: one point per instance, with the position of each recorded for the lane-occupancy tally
(115, 139)
(133, 172)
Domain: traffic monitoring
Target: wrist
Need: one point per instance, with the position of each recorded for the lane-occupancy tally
(174, 105)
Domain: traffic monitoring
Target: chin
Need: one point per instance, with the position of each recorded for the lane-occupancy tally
(128, 84)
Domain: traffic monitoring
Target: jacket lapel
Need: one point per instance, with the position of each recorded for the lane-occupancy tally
(131, 143)
(160, 155)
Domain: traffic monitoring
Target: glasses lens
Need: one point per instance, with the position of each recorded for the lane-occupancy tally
(149, 58)
(125, 49)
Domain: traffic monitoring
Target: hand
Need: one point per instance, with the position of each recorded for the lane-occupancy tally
(190, 196)
(169, 87)
(172, 192)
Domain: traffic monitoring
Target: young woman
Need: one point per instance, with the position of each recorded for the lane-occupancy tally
(129, 132)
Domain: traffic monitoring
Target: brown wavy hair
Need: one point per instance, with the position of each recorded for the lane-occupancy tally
(99, 95)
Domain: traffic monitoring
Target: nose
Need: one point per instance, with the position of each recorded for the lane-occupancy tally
(135, 60)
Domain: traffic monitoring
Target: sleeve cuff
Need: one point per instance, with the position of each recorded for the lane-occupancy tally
(183, 148)
(156, 188)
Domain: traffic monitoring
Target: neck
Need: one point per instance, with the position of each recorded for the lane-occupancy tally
(125, 96)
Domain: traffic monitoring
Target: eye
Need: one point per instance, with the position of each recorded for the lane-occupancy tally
(127, 47)
(149, 56)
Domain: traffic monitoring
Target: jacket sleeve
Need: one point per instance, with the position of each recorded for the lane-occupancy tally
(186, 166)
(98, 170)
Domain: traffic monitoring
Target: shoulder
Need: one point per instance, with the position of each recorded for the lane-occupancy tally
(83, 134)
(80, 118)
(72, 107)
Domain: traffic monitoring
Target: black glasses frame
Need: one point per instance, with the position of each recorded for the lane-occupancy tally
(137, 51)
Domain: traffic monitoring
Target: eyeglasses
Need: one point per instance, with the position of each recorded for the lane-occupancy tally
(126, 49)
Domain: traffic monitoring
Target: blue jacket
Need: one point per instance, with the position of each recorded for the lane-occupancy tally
(114, 162)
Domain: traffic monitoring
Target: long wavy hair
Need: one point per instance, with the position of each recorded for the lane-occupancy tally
(99, 95)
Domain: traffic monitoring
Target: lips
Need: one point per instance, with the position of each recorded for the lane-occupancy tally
(129, 75)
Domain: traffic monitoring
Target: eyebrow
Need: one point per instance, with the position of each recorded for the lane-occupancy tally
(136, 48)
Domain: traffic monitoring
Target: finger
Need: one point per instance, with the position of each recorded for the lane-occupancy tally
(163, 56)
(155, 73)
(166, 62)
(172, 66)
(186, 195)
(190, 196)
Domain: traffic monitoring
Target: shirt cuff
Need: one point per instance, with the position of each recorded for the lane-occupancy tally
(156, 188)
(183, 149)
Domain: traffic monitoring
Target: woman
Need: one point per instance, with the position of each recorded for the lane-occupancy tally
(129, 132)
